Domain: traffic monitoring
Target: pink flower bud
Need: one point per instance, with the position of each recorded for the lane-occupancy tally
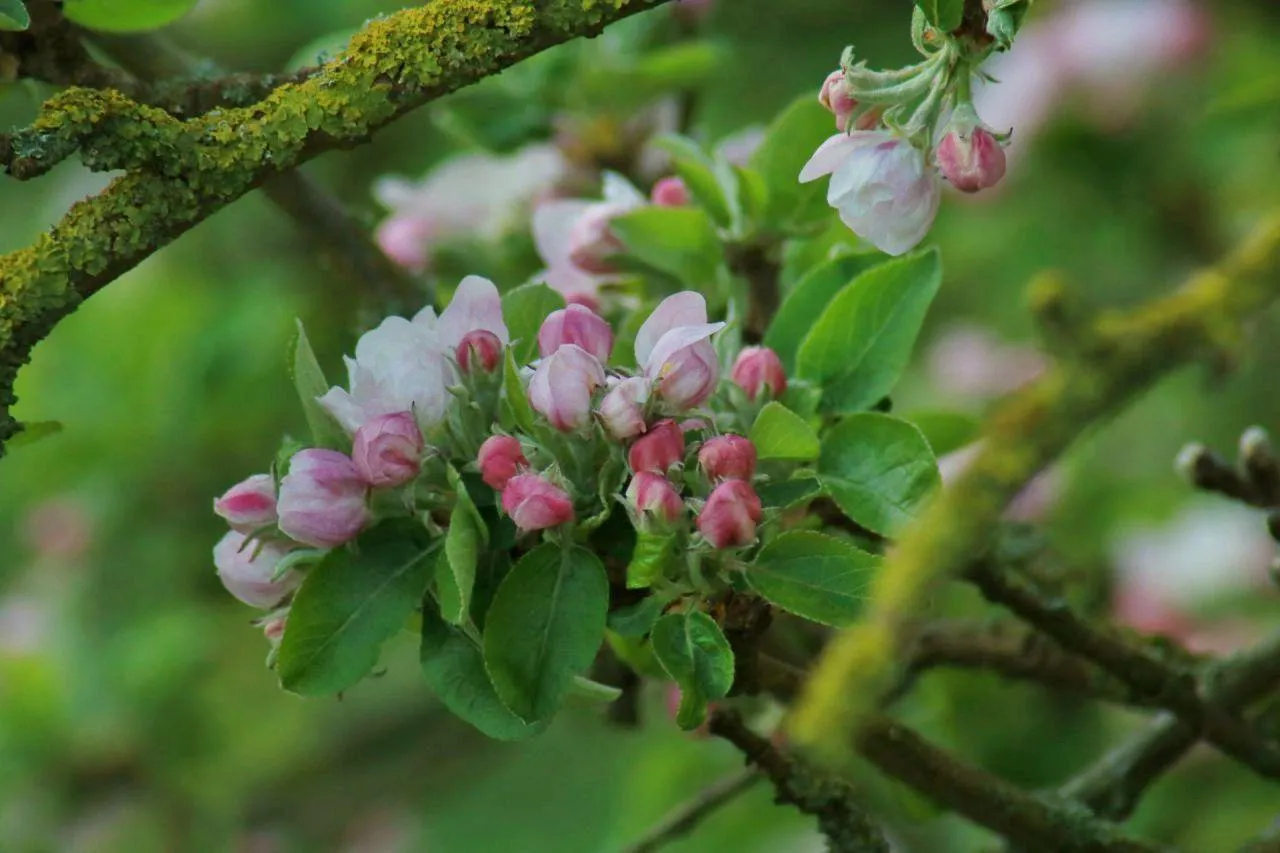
(562, 386)
(245, 569)
(759, 368)
(575, 324)
(622, 409)
(387, 450)
(657, 450)
(406, 240)
(971, 158)
(273, 627)
(728, 457)
(500, 459)
(322, 499)
(690, 376)
(479, 350)
(671, 192)
(730, 516)
(654, 495)
(592, 241)
(249, 504)
(534, 503)
(837, 97)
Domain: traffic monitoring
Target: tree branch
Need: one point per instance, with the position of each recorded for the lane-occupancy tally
(687, 817)
(1120, 355)
(840, 818)
(1165, 683)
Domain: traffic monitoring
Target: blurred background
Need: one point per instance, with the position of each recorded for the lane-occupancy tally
(135, 710)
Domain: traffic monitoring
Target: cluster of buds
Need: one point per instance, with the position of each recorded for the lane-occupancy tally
(897, 131)
(424, 395)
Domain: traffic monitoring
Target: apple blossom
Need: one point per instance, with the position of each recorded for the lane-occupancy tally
(249, 504)
(575, 324)
(730, 515)
(654, 496)
(622, 409)
(500, 458)
(658, 450)
(882, 186)
(479, 350)
(571, 233)
(535, 503)
(387, 450)
(322, 499)
(673, 349)
(970, 157)
(670, 192)
(728, 457)
(246, 568)
(562, 387)
(759, 369)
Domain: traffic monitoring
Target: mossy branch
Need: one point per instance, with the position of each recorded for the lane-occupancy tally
(181, 172)
(1125, 354)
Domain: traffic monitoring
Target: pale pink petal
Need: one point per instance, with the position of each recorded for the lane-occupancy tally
(674, 341)
(687, 308)
(618, 190)
(476, 304)
(829, 157)
(552, 223)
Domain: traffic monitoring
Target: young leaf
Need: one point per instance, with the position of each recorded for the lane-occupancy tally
(680, 241)
(638, 619)
(13, 16)
(309, 379)
(878, 469)
(861, 343)
(805, 303)
(454, 669)
(813, 575)
(544, 627)
(694, 168)
(788, 144)
(649, 561)
(946, 431)
(126, 16)
(515, 398)
(463, 543)
(784, 494)
(780, 433)
(349, 604)
(524, 309)
(945, 15)
(694, 652)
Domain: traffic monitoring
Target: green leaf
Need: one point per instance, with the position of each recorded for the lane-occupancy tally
(780, 433)
(593, 691)
(694, 168)
(784, 494)
(309, 379)
(524, 309)
(454, 668)
(544, 627)
(33, 431)
(466, 537)
(813, 575)
(788, 144)
(126, 16)
(653, 553)
(694, 652)
(349, 604)
(514, 396)
(638, 619)
(861, 343)
(945, 15)
(805, 303)
(680, 241)
(878, 469)
(13, 16)
(946, 431)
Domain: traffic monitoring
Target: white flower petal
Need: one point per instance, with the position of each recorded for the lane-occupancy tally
(687, 308)
(476, 304)
(674, 341)
(552, 224)
(830, 156)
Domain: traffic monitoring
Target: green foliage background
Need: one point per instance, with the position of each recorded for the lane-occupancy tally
(135, 714)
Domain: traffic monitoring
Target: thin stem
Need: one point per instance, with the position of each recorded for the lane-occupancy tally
(687, 817)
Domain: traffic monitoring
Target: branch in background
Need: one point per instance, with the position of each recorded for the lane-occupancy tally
(1165, 683)
(1253, 480)
(1113, 786)
(687, 817)
(182, 172)
(1120, 355)
(847, 827)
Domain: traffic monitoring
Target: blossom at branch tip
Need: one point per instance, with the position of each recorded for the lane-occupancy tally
(674, 351)
(245, 569)
(249, 504)
(882, 186)
(323, 499)
(730, 515)
(562, 387)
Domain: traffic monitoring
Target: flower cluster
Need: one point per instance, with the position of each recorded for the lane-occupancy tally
(431, 395)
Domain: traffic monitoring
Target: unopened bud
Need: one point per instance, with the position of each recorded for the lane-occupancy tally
(757, 369)
(500, 459)
(728, 457)
(535, 503)
(249, 504)
(655, 496)
(479, 350)
(576, 324)
(730, 516)
(387, 450)
(658, 450)
(837, 96)
(622, 409)
(670, 192)
(971, 158)
(322, 499)
(246, 569)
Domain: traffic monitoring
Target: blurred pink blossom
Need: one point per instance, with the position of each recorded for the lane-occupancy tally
(60, 529)
(25, 624)
(560, 231)
(1036, 500)
(969, 361)
(476, 194)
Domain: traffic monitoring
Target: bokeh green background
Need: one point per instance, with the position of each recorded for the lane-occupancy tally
(135, 712)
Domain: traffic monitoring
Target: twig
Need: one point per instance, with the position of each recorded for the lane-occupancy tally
(840, 818)
(1120, 356)
(1167, 684)
(688, 816)
(1113, 786)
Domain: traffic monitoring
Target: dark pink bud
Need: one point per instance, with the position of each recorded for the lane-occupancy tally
(728, 457)
(759, 368)
(479, 350)
(534, 503)
(575, 324)
(387, 450)
(249, 504)
(837, 97)
(658, 449)
(971, 158)
(500, 459)
(654, 495)
(670, 192)
(730, 516)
